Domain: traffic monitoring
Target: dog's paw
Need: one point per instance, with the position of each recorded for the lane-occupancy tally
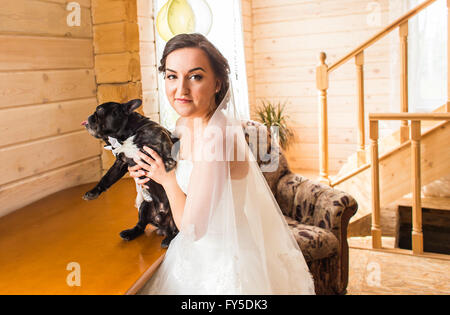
(170, 164)
(91, 195)
(162, 232)
(131, 234)
(166, 242)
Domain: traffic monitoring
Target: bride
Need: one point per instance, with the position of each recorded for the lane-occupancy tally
(233, 238)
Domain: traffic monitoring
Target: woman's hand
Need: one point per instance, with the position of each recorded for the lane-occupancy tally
(151, 167)
(136, 171)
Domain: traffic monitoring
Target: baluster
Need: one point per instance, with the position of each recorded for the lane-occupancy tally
(322, 86)
(404, 129)
(417, 235)
(376, 227)
(361, 153)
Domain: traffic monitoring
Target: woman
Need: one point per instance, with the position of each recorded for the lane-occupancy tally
(233, 238)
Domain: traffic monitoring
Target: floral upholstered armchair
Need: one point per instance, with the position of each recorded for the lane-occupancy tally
(318, 216)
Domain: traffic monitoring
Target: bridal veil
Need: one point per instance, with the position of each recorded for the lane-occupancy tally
(233, 236)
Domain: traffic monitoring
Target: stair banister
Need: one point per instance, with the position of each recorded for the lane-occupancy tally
(416, 118)
(359, 61)
(417, 234)
(322, 86)
(322, 74)
(381, 34)
(375, 167)
(403, 32)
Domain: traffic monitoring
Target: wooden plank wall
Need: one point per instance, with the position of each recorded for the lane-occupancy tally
(286, 37)
(147, 53)
(117, 56)
(47, 87)
(247, 27)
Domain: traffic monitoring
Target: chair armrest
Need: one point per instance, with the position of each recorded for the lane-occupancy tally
(339, 206)
(310, 202)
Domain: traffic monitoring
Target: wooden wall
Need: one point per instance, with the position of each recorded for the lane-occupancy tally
(52, 76)
(286, 38)
(147, 53)
(247, 28)
(47, 87)
(117, 56)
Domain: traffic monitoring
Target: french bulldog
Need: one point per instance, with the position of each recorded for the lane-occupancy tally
(125, 132)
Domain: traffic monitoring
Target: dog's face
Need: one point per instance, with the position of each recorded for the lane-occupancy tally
(109, 118)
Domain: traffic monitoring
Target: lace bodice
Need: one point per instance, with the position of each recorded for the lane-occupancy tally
(183, 173)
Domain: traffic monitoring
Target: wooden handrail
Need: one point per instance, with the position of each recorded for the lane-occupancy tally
(409, 116)
(381, 34)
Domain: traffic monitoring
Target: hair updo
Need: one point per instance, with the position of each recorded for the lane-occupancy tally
(218, 62)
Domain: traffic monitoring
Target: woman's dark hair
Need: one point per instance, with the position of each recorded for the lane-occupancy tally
(218, 62)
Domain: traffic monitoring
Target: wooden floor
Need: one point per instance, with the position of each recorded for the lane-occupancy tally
(376, 272)
(38, 243)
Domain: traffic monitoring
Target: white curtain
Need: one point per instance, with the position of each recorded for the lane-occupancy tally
(221, 22)
(427, 52)
(427, 56)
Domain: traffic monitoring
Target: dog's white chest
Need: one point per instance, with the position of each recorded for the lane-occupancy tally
(130, 150)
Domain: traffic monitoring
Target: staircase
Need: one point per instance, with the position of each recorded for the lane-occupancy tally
(406, 168)
(395, 165)
(386, 144)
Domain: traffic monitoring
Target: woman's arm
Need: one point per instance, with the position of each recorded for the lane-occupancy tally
(239, 164)
(177, 200)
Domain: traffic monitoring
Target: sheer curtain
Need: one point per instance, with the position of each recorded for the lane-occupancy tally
(221, 22)
(427, 67)
(427, 56)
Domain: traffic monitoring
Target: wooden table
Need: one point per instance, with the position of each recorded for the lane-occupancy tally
(39, 242)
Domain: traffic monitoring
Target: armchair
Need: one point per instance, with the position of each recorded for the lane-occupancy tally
(318, 216)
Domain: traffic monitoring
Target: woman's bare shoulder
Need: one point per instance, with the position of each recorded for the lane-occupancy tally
(181, 121)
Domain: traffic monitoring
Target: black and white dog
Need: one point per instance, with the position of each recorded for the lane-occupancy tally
(126, 132)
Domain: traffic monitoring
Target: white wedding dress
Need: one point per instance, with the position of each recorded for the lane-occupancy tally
(183, 269)
(233, 237)
(201, 267)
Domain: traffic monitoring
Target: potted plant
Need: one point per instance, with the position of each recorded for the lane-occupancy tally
(271, 114)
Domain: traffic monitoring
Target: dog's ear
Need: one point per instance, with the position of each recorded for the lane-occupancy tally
(132, 105)
(100, 111)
